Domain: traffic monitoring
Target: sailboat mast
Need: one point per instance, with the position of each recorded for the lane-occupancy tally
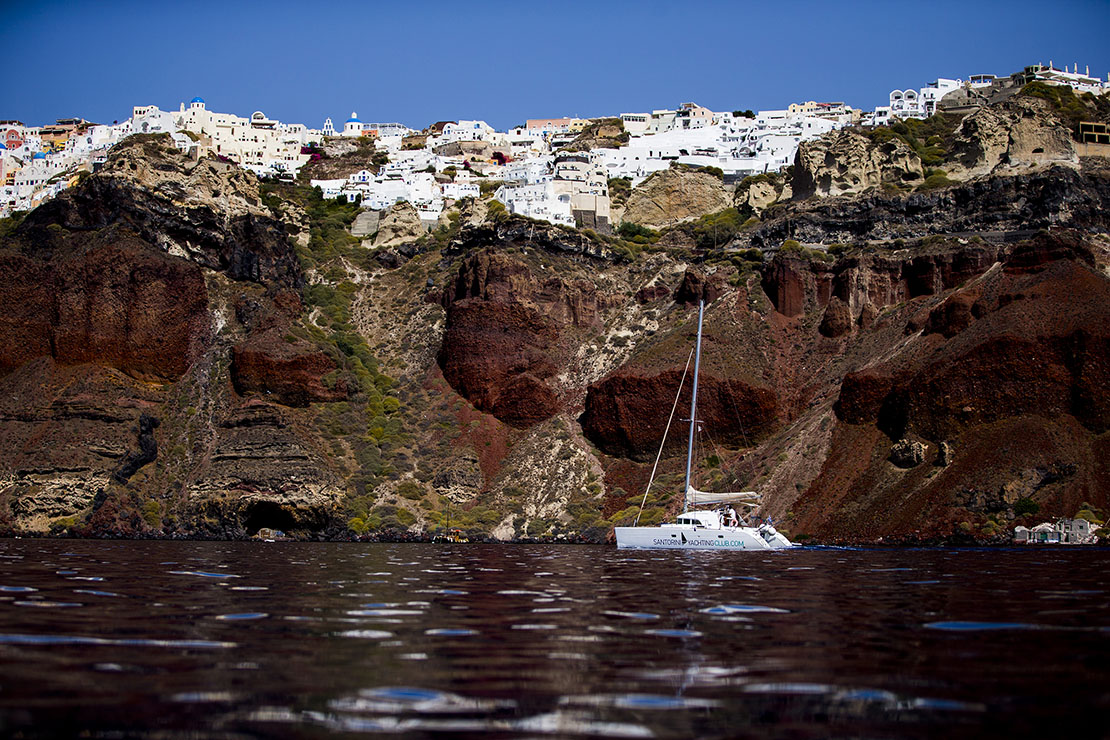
(693, 412)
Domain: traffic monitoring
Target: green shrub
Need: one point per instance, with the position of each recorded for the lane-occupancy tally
(716, 229)
(619, 189)
(411, 490)
(497, 212)
(629, 230)
(1026, 505)
(1089, 515)
(152, 513)
(935, 179)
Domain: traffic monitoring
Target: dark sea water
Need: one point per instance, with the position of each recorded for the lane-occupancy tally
(191, 639)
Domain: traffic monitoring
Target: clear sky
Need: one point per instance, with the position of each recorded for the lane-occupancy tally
(419, 62)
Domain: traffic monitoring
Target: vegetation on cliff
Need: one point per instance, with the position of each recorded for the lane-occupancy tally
(896, 365)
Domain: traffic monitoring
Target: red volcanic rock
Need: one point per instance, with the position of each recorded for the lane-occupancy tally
(1038, 346)
(652, 293)
(627, 412)
(497, 355)
(862, 395)
(293, 374)
(837, 320)
(786, 285)
(697, 287)
(117, 305)
(1012, 372)
(956, 313)
(504, 329)
(500, 278)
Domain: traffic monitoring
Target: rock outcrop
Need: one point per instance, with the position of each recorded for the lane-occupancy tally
(207, 212)
(105, 299)
(672, 196)
(504, 331)
(1012, 204)
(608, 133)
(846, 162)
(626, 413)
(1020, 134)
(399, 225)
(1011, 381)
(286, 370)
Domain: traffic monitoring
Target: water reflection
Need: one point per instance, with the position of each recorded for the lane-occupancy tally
(291, 638)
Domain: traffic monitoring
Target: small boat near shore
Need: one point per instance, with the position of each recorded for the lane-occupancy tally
(698, 528)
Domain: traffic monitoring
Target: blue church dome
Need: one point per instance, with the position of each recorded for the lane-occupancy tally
(197, 100)
(2, 145)
(353, 119)
(38, 155)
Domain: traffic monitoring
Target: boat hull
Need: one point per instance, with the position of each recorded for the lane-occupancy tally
(700, 538)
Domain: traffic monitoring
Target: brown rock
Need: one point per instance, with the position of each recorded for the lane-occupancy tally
(652, 293)
(837, 320)
(114, 304)
(1021, 133)
(847, 162)
(626, 413)
(292, 373)
(696, 287)
(399, 225)
(907, 453)
(787, 281)
(675, 195)
(497, 355)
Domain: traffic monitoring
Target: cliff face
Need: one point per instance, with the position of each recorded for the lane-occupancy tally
(1017, 204)
(1003, 384)
(1020, 134)
(672, 196)
(117, 303)
(848, 162)
(185, 354)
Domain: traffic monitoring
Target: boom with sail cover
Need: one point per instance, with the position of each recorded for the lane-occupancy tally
(709, 498)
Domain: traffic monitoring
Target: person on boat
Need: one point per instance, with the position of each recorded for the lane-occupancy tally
(733, 520)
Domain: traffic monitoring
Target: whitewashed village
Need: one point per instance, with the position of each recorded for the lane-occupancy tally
(529, 168)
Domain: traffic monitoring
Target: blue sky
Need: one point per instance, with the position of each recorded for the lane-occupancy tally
(418, 62)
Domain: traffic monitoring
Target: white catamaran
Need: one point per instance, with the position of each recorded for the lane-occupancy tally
(702, 529)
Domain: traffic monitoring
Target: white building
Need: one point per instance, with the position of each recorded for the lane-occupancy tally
(1081, 82)
(260, 144)
(353, 126)
(1063, 532)
(569, 189)
(737, 146)
(466, 131)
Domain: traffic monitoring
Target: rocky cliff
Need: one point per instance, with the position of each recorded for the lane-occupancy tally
(147, 292)
(849, 162)
(672, 196)
(187, 352)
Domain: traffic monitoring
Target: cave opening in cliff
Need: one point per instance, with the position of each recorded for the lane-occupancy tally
(266, 514)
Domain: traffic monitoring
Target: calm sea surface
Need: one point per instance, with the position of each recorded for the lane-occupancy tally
(188, 639)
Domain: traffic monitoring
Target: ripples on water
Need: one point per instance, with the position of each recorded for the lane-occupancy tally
(289, 639)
